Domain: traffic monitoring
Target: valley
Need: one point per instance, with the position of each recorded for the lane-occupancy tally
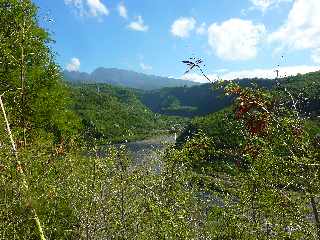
(126, 154)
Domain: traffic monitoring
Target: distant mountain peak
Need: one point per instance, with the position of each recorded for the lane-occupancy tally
(125, 78)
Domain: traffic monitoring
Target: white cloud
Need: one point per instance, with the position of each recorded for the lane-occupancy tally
(202, 29)
(316, 56)
(73, 65)
(138, 25)
(264, 5)
(183, 26)
(122, 10)
(97, 8)
(253, 73)
(93, 8)
(270, 73)
(235, 39)
(222, 70)
(76, 3)
(302, 28)
(195, 77)
(78, 6)
(145, 67)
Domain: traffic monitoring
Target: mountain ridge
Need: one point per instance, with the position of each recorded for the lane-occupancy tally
(125, 78)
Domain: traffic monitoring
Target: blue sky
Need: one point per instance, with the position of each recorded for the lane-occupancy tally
(236, 38)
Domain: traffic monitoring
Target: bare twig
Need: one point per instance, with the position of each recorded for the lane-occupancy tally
(14, 148)
(196, 63)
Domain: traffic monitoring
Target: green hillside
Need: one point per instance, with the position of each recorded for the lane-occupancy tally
(205, 99)
(302, 90)
(305, 90)
(116, 114)
(195, 100)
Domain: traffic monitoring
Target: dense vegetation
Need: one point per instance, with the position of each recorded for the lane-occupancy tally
(115, 114)
(30, 81)
(249, 171)
(205, 99)
(305, 91)
(262, 160)
(299, 92)
(195, 100)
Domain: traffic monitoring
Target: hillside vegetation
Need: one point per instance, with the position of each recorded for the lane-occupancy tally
(301, 92)
(208, 98)
(115, 114)
(248, 171)
(194, 100)
(305, 91)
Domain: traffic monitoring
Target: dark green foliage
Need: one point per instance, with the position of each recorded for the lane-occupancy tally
(221, 125)
(193, 101)
(205, 99)
(305, 90)
(184, 101)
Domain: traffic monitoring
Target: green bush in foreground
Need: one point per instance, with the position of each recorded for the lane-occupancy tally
(78, 197)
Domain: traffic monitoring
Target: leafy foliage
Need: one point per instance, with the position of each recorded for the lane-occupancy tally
(35, 97)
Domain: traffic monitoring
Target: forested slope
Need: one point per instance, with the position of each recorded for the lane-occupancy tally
(300, 93)
(110, 113)
(305, 91)
(208, 98)
(195, 100)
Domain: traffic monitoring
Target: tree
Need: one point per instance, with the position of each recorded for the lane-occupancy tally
(36, 98)
(33, 106)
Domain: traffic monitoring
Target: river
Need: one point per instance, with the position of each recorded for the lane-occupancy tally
(149, 149)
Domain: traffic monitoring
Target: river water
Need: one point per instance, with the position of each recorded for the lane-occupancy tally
(149, 149)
